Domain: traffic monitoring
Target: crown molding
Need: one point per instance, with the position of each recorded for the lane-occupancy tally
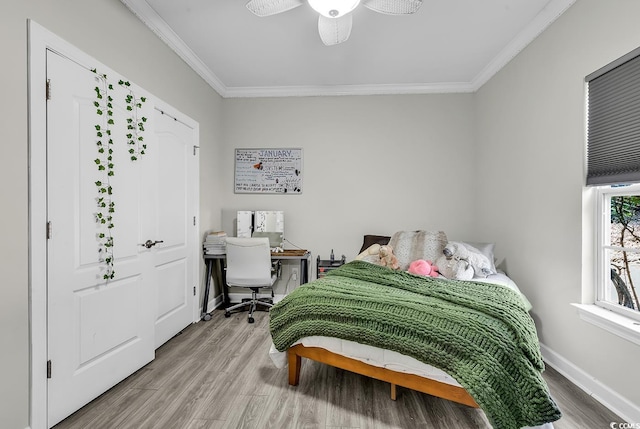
(541, 22)
(337, 90)
(544, 19)
(150, 17)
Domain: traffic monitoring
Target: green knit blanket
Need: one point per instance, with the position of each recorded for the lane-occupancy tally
(479, 333)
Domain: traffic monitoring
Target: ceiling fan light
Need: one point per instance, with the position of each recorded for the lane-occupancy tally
(333, 8)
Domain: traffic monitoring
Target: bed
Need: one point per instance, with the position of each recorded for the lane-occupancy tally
(471, 342)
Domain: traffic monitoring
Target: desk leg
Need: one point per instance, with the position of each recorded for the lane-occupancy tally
(206, 316)
(222, 281)
(304, 271)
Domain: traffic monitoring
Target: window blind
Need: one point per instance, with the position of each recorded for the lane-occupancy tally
(613, 122)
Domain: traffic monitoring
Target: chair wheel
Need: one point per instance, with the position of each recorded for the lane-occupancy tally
(227, 314)
(251, 320)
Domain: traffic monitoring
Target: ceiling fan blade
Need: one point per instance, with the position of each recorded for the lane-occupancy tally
(271, 7)
(334, 30)
(393, 7)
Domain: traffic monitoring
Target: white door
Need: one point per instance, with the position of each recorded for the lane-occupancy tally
(100, 332)
(176, 171)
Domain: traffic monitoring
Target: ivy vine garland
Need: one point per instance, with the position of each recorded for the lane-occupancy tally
(104, 161)
(135, 125)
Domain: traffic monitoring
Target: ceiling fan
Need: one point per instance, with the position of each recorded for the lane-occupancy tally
(335, 21)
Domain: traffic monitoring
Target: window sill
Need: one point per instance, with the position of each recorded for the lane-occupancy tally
(617, 324)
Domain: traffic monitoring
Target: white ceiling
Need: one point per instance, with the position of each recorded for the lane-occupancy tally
(447, 46)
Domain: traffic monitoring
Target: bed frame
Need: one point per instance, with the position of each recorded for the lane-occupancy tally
(411, 381)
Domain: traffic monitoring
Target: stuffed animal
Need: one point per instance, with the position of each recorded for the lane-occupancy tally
(463, 262)
(482, 265)
(387, 258)
(423, 268)
(454, 262)
(455, 249)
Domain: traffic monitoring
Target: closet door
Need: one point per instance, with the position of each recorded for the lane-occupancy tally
(99, 332)
(175, 161)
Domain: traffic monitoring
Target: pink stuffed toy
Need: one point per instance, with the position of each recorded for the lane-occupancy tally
(423, 268)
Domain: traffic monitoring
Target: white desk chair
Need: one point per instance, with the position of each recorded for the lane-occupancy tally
(249, 265)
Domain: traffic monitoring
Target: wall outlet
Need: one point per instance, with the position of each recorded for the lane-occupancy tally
(294, 273)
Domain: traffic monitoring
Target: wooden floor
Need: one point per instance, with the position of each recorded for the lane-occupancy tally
(218, 374)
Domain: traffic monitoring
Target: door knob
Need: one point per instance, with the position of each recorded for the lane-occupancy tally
(149, 244)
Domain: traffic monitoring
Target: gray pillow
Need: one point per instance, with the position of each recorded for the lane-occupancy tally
(409, 246)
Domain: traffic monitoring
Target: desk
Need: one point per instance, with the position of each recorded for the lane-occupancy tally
(218, 261)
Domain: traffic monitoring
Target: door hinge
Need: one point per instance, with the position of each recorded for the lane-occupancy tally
(48, 89)
(194, 221)
(194, 291)
(48, 230)
(194, 149)
(49, 369)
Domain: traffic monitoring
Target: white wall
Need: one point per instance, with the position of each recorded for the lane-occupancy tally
(107, 31)
(531, 141)
(372, 165)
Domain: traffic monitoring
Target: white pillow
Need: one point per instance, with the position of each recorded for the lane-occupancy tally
(370, 254)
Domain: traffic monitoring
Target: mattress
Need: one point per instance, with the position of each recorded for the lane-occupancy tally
(387, 358)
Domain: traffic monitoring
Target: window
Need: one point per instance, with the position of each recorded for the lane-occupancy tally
(613, 158)
(618, 238)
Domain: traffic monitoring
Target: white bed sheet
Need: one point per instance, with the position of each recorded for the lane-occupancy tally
(388, 359)
(375, 356)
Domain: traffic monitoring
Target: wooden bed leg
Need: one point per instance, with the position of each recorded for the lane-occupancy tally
(394, 392)
(295, 362)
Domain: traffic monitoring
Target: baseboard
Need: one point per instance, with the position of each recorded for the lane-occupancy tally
(628, 411)
(214, 303)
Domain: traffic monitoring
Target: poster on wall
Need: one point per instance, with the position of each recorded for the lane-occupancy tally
(268, 171)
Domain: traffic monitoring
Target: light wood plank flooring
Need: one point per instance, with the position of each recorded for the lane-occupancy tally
(218, 374)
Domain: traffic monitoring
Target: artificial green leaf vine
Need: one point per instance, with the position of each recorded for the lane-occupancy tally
(135, 124)
(104, 161)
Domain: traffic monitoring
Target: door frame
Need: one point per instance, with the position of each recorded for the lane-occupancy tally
(39, 41)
